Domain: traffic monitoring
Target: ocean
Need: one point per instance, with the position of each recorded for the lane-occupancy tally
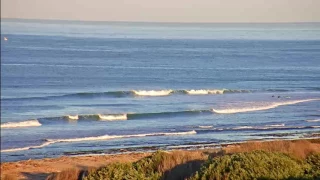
(77, 88)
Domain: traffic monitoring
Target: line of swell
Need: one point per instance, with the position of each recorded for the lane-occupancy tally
(28, 123)
(99, 138)
(313, 120)
(133, 116)
(259, 108)
(27, 148)
(253, 128)
(166, 92)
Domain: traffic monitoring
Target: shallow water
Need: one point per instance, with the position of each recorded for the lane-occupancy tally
(83, 87)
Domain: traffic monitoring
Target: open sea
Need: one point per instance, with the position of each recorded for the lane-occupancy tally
(76, 88)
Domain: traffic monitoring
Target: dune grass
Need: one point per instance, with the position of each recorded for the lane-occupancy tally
(299, 149)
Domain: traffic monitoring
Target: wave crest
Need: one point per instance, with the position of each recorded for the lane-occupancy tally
(73, 117)
(313, 120)
(113, 117)
(152, 92)
(213, 91)
(276, 125)
(261, 108)
(243, 127)
(29, 123)
(99, 138)
(203, 91)
(27, 148)
(107, 137)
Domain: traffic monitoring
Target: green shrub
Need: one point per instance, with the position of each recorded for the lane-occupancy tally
(116, 171)
(314, 161)
(253, 165)
(146, 168)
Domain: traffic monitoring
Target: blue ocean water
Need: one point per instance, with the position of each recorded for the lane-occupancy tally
(103, 87)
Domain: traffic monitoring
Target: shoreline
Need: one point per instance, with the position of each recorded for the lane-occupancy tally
(42, 168)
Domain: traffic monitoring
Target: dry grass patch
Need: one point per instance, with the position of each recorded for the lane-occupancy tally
(299, 148)
(8, 177)
(70, 174)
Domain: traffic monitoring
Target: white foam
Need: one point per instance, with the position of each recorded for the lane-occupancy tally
(243, 127)
(313, 120)
(113, 117)
(71, 117)
(107, 137)
(153, 92)
(315, 126)
(28, 147)
(97, 138)
(204, 91)
(260, 108)
(205, 127)
(29, 123)
(276, 125)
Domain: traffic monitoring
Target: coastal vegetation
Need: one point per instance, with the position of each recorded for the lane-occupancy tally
(251, 160)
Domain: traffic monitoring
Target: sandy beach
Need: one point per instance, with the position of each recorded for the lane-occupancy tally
(42, 168)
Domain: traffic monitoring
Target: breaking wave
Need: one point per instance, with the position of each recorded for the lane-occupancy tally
(276, 125)
(113, 117)
(99, 138)
(73, 117)
(243, 127)
(259, 108)
(107, 137)
(29, 123)
(204, 91)
(153, 92)
(27, 148)
(313, 120)
(205, 127)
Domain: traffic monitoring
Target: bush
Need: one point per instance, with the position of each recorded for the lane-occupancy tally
(253, 165)
(117, 171)
(158, 166)
(314, 161)
(147, 168)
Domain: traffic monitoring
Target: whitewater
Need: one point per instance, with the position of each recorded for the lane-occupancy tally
(28, 123)
(260, 107)
(97, 138)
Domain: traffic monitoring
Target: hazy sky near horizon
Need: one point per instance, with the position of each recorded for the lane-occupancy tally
(165, 10)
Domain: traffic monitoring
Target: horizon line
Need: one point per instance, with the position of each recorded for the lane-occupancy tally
(168, 22)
